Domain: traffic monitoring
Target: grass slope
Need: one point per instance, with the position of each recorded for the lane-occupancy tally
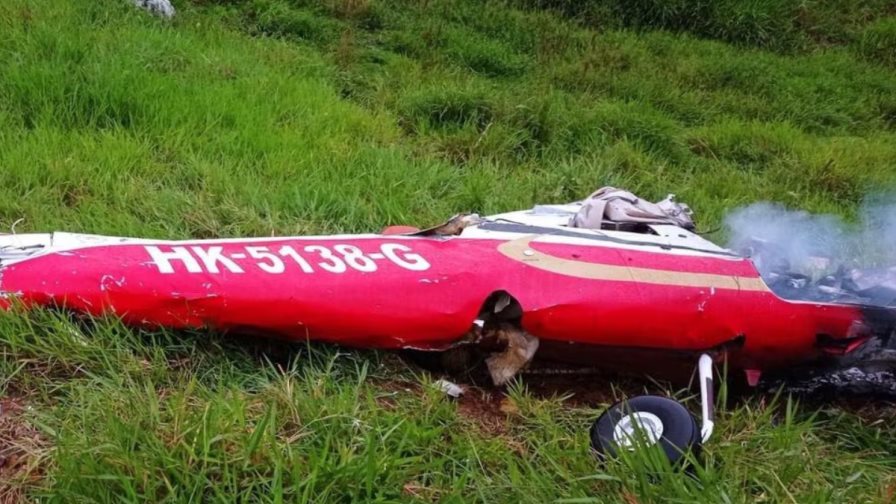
(253, 117)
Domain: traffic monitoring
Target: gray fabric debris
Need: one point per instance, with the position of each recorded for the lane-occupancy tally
(609, 204)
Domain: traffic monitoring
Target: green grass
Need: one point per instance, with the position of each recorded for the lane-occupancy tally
(253, 117)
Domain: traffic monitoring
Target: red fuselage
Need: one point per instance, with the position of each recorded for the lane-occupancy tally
(394, 292)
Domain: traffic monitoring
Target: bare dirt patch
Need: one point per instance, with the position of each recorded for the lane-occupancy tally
(486, 408)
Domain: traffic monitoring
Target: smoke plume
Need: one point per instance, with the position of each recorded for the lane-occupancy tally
(813, 257)
(821, 257)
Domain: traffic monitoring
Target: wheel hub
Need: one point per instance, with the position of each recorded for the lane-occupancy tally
(638, 426)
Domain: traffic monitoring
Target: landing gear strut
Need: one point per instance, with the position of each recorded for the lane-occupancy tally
(649, 420)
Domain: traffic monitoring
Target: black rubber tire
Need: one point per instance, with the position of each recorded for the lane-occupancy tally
(680, 431)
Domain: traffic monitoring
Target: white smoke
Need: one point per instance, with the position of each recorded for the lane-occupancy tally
(792, 235)
(782, 241)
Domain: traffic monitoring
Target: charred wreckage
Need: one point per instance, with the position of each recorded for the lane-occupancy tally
(610, 282)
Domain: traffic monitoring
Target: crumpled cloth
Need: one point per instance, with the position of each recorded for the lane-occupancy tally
(609, 204)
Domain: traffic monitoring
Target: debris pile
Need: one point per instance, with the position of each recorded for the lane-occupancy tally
(870, 371)
(821, 258)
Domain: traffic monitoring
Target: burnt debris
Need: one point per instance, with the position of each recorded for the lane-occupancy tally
(820, 258)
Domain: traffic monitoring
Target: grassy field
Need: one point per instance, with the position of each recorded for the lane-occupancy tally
(260, 117)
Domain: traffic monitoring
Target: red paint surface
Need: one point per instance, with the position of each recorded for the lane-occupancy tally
(397, 307)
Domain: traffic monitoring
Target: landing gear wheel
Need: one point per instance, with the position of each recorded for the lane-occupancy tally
(646, 420)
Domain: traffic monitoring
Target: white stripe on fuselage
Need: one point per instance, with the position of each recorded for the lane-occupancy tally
(17, 248)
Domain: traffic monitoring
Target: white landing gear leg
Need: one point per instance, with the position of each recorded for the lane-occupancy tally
(707, 400)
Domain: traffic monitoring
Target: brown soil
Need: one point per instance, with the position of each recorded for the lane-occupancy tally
(487, 408)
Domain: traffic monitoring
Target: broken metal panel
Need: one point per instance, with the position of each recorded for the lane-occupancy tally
(668, 289)
(520, 348)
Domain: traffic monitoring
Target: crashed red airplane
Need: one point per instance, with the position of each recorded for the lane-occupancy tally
(609, 282)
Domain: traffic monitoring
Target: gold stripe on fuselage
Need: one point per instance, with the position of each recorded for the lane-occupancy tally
(519, 250)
